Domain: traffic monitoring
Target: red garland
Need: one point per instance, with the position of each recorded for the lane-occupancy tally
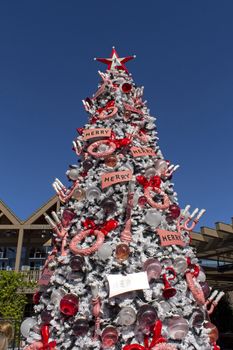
(156, 339)
(45, 339)
(106, 227)
(155, 181)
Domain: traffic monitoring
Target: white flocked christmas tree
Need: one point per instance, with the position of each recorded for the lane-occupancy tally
(123, 274)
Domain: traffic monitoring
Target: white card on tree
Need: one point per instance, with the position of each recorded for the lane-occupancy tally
(119, 284)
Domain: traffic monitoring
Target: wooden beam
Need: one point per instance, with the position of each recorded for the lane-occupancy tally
(42, 210)
(6, 211)
(19, 249)
(10, 227)
(220, 226)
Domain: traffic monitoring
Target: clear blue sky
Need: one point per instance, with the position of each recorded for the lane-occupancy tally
(184, 59)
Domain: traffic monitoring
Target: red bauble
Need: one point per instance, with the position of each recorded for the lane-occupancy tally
(67, 217)
(69, 305)
(45, 316)
(126, 87)
(174, 211)
(36, 297)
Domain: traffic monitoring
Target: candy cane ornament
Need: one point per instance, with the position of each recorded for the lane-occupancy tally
(195, 288)
(81, 236)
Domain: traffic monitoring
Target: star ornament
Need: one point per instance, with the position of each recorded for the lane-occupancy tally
(116, 62)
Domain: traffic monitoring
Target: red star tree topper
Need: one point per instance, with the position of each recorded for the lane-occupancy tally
(116, 62)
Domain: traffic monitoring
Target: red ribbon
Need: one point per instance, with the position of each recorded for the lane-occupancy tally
(108, 105)
(120, 142)
(153, 182)
(106, 227)
(45, 339)
(193, 268)
(156, 339)
(216, 347)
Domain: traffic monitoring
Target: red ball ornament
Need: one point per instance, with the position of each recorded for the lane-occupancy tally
(80, 327)
(174, 211)
(36, 297)
(45, 316)
(126, 87)
(69, 305)
(67, 217)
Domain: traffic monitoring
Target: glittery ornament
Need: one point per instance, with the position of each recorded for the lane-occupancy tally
(127, 316)
(153, 218)
(178, 327)
(69, 305)
(150, 172)
(212, 332)
(109, 205)
(79, 194)
(80, 327)
(122, 252)
(146, 317)
(93, 193)
(160, 166)
(109, 337)
(166, 307)
(77, 263)
(105, 251)
(73, 174)
(174, 211)
(27, 325)
(180, 265)
(45, 316)
(56, 296)
(87, 164)
(153, 268)
(67, 217)
(110, 161)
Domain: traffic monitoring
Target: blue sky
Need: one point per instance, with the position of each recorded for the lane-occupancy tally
(184, 59)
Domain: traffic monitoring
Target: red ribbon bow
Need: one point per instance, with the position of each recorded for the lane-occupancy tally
(154, 181)
(45, 339)
(156, 339)
(106, 227)
(216, 347)
(120, 142)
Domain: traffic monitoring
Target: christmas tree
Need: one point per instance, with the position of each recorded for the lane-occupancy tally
(123, 273)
